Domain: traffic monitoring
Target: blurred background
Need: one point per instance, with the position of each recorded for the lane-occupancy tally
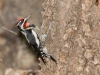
(15, 52)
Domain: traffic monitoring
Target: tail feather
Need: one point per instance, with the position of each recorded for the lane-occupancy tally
(53, 59)
(42, 55)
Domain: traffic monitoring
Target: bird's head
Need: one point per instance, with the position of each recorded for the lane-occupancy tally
(22, 23)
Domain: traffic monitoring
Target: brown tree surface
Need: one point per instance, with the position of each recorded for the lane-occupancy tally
(74, 40)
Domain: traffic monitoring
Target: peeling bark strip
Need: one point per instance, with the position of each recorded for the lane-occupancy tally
(74, 40)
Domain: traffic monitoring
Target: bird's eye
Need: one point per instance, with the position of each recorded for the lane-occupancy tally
(19, 23)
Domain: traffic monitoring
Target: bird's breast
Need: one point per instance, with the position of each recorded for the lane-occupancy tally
(32, 37)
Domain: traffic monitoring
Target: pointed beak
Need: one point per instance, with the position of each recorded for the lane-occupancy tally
(16, 24)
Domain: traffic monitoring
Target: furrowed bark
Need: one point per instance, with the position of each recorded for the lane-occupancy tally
(74, 39)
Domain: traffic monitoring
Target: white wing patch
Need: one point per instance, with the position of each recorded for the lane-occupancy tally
(36, 38)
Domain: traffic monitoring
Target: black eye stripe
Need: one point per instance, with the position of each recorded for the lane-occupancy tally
(20, 22)
(19, 28)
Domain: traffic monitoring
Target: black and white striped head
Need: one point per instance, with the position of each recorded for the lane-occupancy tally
(20, 25)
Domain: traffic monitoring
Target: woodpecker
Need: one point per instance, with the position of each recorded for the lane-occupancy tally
(32, 34)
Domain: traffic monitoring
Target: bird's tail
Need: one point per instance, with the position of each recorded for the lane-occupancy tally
(43, 55)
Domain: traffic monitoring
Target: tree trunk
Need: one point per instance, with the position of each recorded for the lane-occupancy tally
(74, 39)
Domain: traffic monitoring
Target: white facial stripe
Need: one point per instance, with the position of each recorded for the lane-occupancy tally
(21, 25)
(18, 23)
(36, 38)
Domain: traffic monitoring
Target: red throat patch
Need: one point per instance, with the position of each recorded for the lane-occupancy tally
(26, 24)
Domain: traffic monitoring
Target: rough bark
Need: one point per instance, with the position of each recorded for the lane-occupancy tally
(74, 40)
